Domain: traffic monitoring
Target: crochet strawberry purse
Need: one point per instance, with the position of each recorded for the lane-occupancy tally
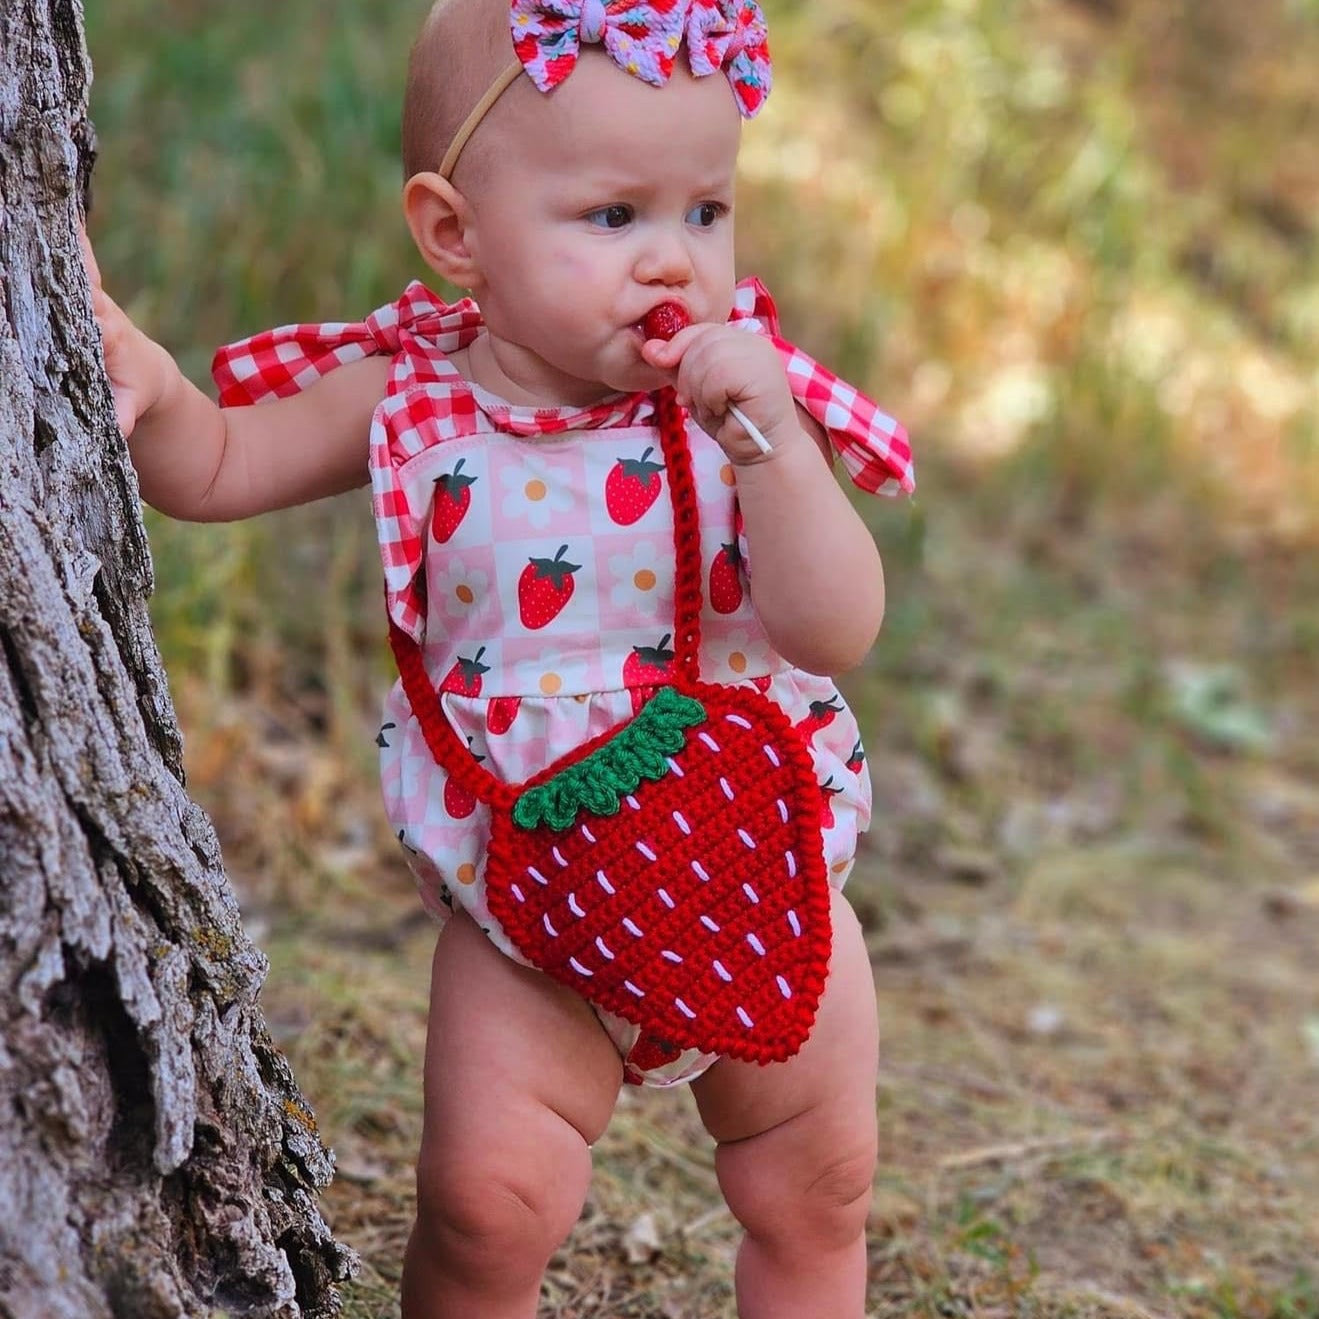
(671, 870)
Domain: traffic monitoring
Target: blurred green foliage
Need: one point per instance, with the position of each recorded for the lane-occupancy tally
(1070, 240)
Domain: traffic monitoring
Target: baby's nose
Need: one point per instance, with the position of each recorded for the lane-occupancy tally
(666, 260)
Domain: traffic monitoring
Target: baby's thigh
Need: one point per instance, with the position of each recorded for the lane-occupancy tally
(831, 1082)
(517, 1066)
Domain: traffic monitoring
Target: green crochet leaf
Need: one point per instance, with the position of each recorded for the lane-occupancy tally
(598, 783)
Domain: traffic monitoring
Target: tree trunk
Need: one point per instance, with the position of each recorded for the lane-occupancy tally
(156, 1157)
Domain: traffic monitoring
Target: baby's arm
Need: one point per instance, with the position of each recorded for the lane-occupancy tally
(203, 463)
(816, 581)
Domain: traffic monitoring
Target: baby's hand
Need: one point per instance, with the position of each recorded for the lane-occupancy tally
(138, 368)
(717, 366)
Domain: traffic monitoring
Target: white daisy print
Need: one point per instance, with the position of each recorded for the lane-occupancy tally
(534, 497)
(739, 652)
(553, 676)
(634, 574)
(462, 590)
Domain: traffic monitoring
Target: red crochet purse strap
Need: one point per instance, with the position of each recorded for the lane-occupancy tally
(441, 738)
(443, 741)
(687, 599)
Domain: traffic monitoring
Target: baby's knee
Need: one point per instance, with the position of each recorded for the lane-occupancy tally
(484, 1218)
(817, 1203)
(840, 1194)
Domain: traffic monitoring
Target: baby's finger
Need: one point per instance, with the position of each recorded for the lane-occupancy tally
(111, 323)
(125, 409)
(655, 352)
(103, 308)
(698, 380)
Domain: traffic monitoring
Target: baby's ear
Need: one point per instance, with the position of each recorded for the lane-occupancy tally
(438, 216)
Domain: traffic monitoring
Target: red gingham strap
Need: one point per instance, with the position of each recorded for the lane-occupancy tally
(873, 447)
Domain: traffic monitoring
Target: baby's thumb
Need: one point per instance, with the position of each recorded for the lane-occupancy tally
(661, 355)
(667, 354)
(125, 408)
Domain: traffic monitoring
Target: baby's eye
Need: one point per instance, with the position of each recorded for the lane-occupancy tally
(706, 215)
(617, 216)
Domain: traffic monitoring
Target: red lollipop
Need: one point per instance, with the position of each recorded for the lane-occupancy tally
(666, 320)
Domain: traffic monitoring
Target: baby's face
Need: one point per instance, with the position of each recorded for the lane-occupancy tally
(602, 200)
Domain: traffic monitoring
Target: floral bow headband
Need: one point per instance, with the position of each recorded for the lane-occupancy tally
(643, 39)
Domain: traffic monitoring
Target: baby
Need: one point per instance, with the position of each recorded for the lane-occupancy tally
(619, 574)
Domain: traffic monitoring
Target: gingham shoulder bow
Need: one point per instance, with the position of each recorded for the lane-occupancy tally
(419, 327)
(871, 445)
(419, 330)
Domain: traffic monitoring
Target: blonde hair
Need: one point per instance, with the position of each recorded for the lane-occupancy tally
(462, 47)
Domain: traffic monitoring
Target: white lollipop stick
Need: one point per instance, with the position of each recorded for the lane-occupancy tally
(751, 429)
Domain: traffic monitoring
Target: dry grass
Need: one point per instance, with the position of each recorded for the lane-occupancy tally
(1093, 934)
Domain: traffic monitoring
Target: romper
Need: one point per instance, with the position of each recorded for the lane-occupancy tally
(529, 552)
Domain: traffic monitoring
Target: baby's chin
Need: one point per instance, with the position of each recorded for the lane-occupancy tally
(636, 377)
(622, 375)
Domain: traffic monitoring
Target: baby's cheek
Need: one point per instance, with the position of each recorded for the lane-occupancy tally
(572, 265)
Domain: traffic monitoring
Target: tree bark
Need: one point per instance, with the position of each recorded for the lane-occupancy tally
(156, 1157)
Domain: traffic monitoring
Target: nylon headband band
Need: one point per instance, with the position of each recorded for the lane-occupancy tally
(472, 122)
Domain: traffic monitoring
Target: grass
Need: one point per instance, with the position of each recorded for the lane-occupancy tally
(1071, 242)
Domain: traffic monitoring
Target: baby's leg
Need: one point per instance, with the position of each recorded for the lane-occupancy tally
(797, 1146)
(520, 1082)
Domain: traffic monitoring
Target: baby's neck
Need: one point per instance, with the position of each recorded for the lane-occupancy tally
(507, 371)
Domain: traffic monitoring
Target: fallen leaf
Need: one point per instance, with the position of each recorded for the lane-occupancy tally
(1310, 1029)
(641, 1242)
(1211, 701)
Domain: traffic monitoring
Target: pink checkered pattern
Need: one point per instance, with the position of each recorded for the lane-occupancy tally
(283, 361)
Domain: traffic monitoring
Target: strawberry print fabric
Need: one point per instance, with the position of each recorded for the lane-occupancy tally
(732, 35)
(530, 553)
(643, 39)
